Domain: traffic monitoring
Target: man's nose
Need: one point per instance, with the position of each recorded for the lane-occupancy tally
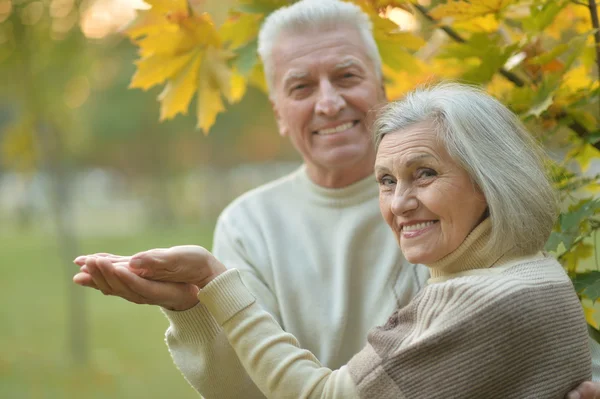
(330, 101)
(404, 201)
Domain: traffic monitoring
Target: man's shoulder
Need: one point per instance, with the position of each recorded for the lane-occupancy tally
(265, 195)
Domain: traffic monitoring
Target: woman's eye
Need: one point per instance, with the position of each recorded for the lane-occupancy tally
(386, 181)
(424, 173)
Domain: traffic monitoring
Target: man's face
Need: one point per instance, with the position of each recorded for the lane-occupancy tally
(324, 87)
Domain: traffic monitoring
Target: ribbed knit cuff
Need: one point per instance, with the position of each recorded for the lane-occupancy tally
(226, 295)
(193, 325)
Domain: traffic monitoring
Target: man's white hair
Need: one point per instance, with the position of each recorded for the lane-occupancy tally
(314, 17)
(495, 149)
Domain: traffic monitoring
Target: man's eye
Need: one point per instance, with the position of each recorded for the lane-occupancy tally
(299, 87)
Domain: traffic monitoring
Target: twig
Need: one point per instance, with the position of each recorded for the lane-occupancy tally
(596, 25)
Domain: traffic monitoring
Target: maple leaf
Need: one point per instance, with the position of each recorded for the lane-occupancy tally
(184, 51)
(464, 11)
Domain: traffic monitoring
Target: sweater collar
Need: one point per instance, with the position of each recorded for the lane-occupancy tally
(471, 254)
(353, 194)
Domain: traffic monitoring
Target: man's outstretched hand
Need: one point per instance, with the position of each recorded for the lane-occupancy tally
(166, 277)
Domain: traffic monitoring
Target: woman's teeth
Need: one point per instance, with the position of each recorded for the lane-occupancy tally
(418, 226)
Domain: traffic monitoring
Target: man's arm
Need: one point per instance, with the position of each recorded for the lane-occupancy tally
(197, 344)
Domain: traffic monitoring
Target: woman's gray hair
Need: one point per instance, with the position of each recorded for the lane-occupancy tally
(314, 17)
(495, 149)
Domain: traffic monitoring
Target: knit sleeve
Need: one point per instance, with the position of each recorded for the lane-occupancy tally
(477, 339)
(272, 357)
(197, 343)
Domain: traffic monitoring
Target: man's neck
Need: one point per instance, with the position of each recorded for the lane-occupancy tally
(339, 178)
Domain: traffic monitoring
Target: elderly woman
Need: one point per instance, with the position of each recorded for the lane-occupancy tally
(463, 189)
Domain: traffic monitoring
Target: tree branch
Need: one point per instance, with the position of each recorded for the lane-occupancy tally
(596, 25)
(577, 127)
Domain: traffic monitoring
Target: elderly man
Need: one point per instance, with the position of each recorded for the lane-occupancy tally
(311, 246)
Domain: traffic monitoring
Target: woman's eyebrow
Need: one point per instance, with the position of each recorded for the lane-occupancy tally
(417, 158)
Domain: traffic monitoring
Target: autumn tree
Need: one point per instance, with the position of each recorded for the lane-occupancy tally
(539, 57)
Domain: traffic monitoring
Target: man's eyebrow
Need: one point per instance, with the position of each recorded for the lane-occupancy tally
(346, 64)
(293, 76)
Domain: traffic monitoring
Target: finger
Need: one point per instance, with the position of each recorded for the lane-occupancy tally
(84, 280)
(176, 296)
(186, 263)
(104, 255)
(97, 276)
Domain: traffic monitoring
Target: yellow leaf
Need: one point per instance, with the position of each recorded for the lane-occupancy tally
(576, 255)
(589, 312)
(257, 78)
(214, 80)
(584, 155)
(178, 93)
(209, 105)
(156, 69)
(240, 29)
(238, 86)
(485, 23)
(464, 11)
(577, 78)
(167, 6)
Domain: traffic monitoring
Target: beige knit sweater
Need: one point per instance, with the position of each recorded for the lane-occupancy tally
(515, 330)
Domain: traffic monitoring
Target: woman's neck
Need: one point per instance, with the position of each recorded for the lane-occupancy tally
(471, 254)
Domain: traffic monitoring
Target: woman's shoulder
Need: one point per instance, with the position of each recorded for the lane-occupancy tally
(525, 283)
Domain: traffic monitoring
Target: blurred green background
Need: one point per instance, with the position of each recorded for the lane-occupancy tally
(85, 166)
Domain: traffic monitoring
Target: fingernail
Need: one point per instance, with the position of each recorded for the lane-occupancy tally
(135, 263)
(78, 259)
(573, 395)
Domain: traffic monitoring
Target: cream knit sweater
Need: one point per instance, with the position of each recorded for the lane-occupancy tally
(321, 261)
(512, 331)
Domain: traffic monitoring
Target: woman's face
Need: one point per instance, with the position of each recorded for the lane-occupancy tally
(427, 199)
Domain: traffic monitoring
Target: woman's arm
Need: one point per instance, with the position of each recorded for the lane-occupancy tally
(272, 357)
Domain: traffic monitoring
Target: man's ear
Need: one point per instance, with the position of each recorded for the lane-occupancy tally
(283, 130)
(383, 91)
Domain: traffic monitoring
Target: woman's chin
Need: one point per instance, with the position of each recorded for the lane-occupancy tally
(420, 257)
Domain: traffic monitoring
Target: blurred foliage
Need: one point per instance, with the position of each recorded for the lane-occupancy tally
(62, 85)
(521, 51)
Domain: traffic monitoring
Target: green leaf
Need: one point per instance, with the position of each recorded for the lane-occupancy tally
(247, 57)
(584, 209)
(543, 14)
(556, 239)
(397, 58)
(588, 284)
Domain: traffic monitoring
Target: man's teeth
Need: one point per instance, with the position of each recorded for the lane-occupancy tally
(336, 129)
(418, 226)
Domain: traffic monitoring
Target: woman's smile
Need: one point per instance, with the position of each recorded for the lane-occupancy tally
(418, 229)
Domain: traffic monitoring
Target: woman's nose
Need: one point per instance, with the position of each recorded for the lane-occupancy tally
(404, 201)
